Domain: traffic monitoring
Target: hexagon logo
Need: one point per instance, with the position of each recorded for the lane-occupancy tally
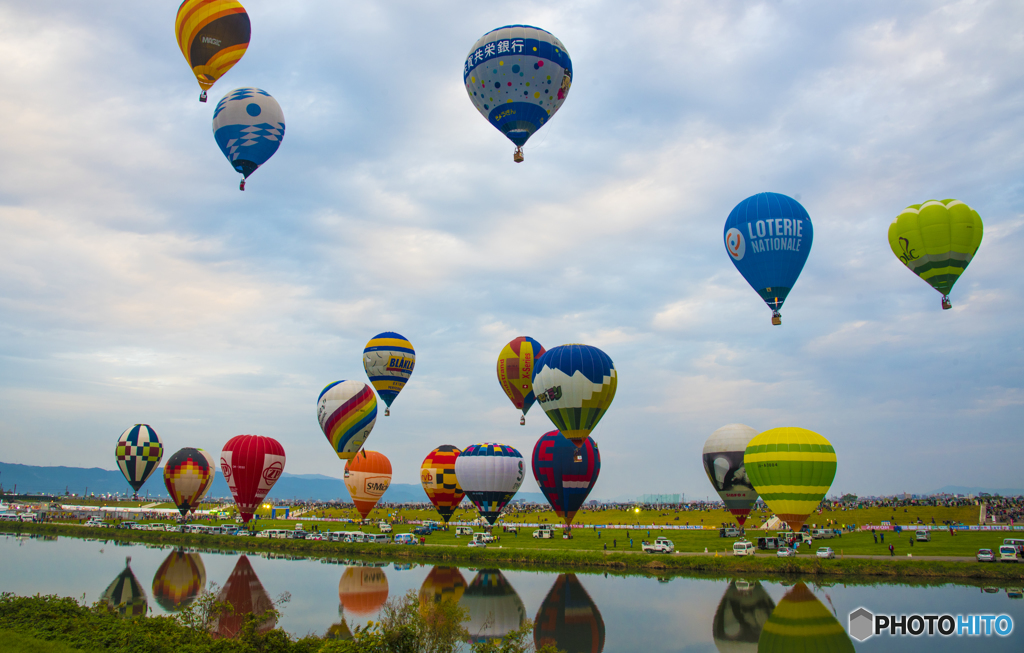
(862, 624)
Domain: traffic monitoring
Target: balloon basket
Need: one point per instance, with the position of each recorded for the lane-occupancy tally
(387, 412)
(202, 96)
(776, 318)
(522, 421)
(241, 185)
(946, 304)
(518, 155)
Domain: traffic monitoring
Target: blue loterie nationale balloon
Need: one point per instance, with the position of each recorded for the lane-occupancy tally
(768, 237)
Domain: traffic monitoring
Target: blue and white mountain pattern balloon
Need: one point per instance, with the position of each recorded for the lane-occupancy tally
(249, 127)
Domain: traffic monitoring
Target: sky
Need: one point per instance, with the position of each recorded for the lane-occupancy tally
(137, 284)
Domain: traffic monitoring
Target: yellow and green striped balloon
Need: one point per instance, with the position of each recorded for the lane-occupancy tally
(937, 240)
(792, 469)
(800, 622)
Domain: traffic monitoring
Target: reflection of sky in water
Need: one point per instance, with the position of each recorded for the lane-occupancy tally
(638, 613)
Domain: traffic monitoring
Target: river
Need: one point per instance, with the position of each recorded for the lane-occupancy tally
(578, 612)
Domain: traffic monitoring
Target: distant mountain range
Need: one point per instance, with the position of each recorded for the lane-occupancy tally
(29, 479)
(960, 489)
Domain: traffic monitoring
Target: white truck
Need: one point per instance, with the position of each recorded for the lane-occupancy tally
(661, 545)
(544, 533)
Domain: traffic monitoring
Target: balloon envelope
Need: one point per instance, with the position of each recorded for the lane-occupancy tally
(363, 590)
(347, 411)
(768, 237)
(937, 240)
(187, 478)
(367, 477)
(495, 608)
(569, 619)
(244, 591)
(517, 77)
(741, 614)
(251, 465)
(723, 463)
(139, 451)
(566, 474)
(125, 595)
(575, 384)
(792, 469)
(388, 360)
(515, 371)
(248, 125)
(179, 580)
(441, 584)
(490, 474)
(800, 622)
(437, 474)
(212, 35)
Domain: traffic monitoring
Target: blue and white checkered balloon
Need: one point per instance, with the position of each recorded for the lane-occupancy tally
(249, 127)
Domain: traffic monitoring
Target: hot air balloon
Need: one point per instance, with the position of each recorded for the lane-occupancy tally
(741, 614)
(367, 477)
(138, 452)
(768, 237)
(723, 463)
(569, 619)
(800, 622)
(251, 465)
(566, 474)
(347, 411)
(495, 608)
(179, 580)
(517, 77)
(490, 475)
(937, 241)
(388, 360)
(213, 35)
(248, 125)
(125, 595)
(244, 591)
(442, 584)
(515, 372)
(792, 469)
(437, 474)
(575, 384)
(363, 590)
(187, 475)
(213, 472)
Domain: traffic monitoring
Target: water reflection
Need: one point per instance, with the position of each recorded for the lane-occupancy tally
(741, 614)
(339, 630)
(442, 583)
(246, 595)
(179, 580)
(569, 618)
(125, 594)
(495, 608)
(363, 590)
(801, 622)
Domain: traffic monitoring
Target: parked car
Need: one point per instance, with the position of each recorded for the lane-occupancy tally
(986, 555)
(384, 527)
(785, 552)
(1007, 553)
(422, 530)
(826, 552)
(923, 535)
(743, 548)
(1017, 544)
(481, 539)
(477, 543)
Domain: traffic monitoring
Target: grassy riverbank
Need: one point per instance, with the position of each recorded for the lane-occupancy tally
(898, 569)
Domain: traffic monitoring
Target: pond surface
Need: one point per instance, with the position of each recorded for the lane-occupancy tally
(578, 612)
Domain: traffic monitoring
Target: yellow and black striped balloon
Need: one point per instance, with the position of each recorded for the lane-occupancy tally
(213, 35)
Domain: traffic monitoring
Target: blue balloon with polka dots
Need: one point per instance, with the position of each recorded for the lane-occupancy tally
(248, 125)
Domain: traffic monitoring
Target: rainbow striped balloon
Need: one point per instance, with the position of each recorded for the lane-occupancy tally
(347, 411)
(388, 360)
(792, 469)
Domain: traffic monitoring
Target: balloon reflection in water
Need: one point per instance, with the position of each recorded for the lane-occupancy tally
(802, 623)
(741, 614)
(442, 583)
(495, 608)
(339, 630)
(179, 580)
(363, 590)
(125, 595)
(246, 595)
(569, 619)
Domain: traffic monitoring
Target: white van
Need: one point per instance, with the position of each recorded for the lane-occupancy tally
(10, 516)
(544, 533)
(379, 538)
(1014, 542)
(743, 548)
(923, 535)
(822, 534)
(463, 530)
(1007, 553)
(275, 532)
(384, 527)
